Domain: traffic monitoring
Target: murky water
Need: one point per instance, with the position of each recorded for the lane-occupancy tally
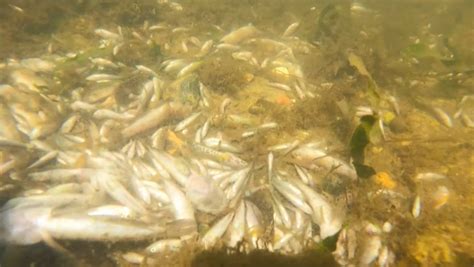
(304, 133)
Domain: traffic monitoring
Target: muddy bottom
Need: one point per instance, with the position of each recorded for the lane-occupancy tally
(41, 255)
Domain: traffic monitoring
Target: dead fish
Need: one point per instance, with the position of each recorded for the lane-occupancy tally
(102, 77)
(44, 159)
(165, 245)
(146, 70)
(311, 156)
(8, 142)
(84, 106)
(206, 48)
(440, 197)
(102, 114)
(16, 8)
(173, 65)
(443, 117)
(102, 62)
(69, 124)
(416, 209)
(429, 176)
(186, 122)
(370, 251)
(466, 120)
(216, 232)
(291, 29)
(240, 35)
(190, 68)
(6, 167)
(107, 34)
(280, 86)
(155, 117)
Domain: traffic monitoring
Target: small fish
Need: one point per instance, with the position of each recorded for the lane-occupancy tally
(16, 8)
(44, 159)
(236, 230)
(204, 97)
(416, 209)
(429, 176)
(370, 250)
(155, 117)
(467, 121)
(228, 47)
(223, 157)
(116, 49)
(206, 48)
(8, 142)
(186, 122)
(105, 114)
(175, 6)
(181, 206)
(301, 94)
(6, 187)
(173, 65)
(69, 124)
(184, 47)
(190, 68)
(7, 166)
(291, 29)
(443, 117)
(107, 34)
(112, 211)
(240, 35)
(268, 125)
(102, 62)
(156, 191)
(165, 245)
(67, 188)
(140, 189)
(248, 133)
(285, 147)
(440, 197)
(240, 179)
(211, 237)
(254, 227)
(195, 41)
(80, 105)
(243, 55)
(304, 175)
(218, 143)
(146, 70)
(270, 165)
(280, 86)
(134, 258)
(311, 157)
(280, 213)
(60, 174)
(292, 194)
(102, 77)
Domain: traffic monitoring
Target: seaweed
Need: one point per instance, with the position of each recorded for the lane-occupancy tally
(224, 74)
(359, 141)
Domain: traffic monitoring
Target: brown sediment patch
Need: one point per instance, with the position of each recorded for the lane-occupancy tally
(225, 75)
(262, 258)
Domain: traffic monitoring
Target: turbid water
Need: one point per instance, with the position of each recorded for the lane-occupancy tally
(236, 133)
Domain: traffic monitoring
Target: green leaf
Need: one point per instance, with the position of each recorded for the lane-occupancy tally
(359, 140)
(330, 242)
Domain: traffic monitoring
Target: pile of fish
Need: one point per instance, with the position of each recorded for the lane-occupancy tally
(143, 153)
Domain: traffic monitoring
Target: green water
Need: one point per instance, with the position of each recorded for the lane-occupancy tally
(407, 60)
